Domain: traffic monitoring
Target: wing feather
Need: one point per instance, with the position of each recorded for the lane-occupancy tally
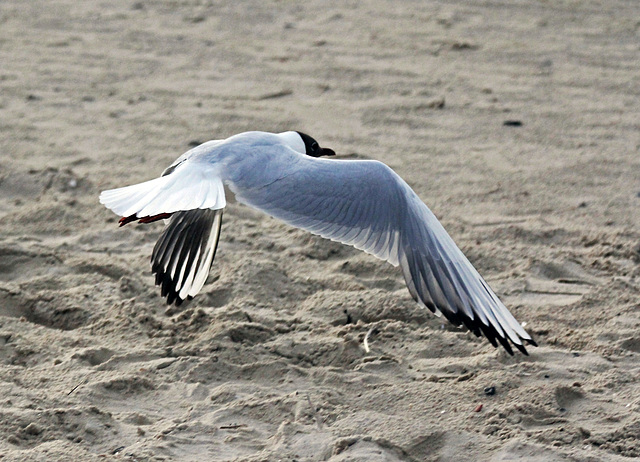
(182, 257)
(188, 186)
(367, 205)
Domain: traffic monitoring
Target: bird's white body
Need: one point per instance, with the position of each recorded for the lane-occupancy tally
(357, 202)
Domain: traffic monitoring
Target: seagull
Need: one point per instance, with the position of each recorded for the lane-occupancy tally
(362, 203)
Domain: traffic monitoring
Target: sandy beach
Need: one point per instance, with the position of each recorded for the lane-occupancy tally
(518, 124)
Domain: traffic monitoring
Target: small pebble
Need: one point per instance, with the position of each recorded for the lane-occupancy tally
(490, 391)
(512, 123)
(478, 408)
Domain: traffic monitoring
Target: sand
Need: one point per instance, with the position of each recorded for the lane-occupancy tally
(516, 122)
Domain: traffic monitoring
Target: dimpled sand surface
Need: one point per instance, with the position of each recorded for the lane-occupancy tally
(516, 122)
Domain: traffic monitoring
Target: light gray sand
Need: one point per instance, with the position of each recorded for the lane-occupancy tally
(263, 365)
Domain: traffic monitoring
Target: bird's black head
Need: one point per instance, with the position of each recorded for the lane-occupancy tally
(312, 148)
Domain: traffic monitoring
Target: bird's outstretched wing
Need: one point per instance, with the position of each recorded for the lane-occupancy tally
(183, 255)
(367, 205)
(193, 199)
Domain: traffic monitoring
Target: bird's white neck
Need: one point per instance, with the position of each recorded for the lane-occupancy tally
(294, 141)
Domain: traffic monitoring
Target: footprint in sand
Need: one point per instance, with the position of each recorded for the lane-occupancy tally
(631, 344)
(568, 398)
(558, 284)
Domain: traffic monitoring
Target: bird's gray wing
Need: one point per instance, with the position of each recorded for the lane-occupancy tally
(346, 201)
(367, 205)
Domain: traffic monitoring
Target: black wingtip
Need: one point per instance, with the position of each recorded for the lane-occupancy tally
(167, 289)
(489, 332)
(177, 250)
(521, 349)
(171, 296)
(426, 282)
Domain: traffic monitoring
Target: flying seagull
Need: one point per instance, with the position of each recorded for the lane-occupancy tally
(362, 203)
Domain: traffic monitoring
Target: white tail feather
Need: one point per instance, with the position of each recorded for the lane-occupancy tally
(186, 188)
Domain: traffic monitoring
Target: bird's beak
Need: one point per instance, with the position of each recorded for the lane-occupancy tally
(326, 152)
